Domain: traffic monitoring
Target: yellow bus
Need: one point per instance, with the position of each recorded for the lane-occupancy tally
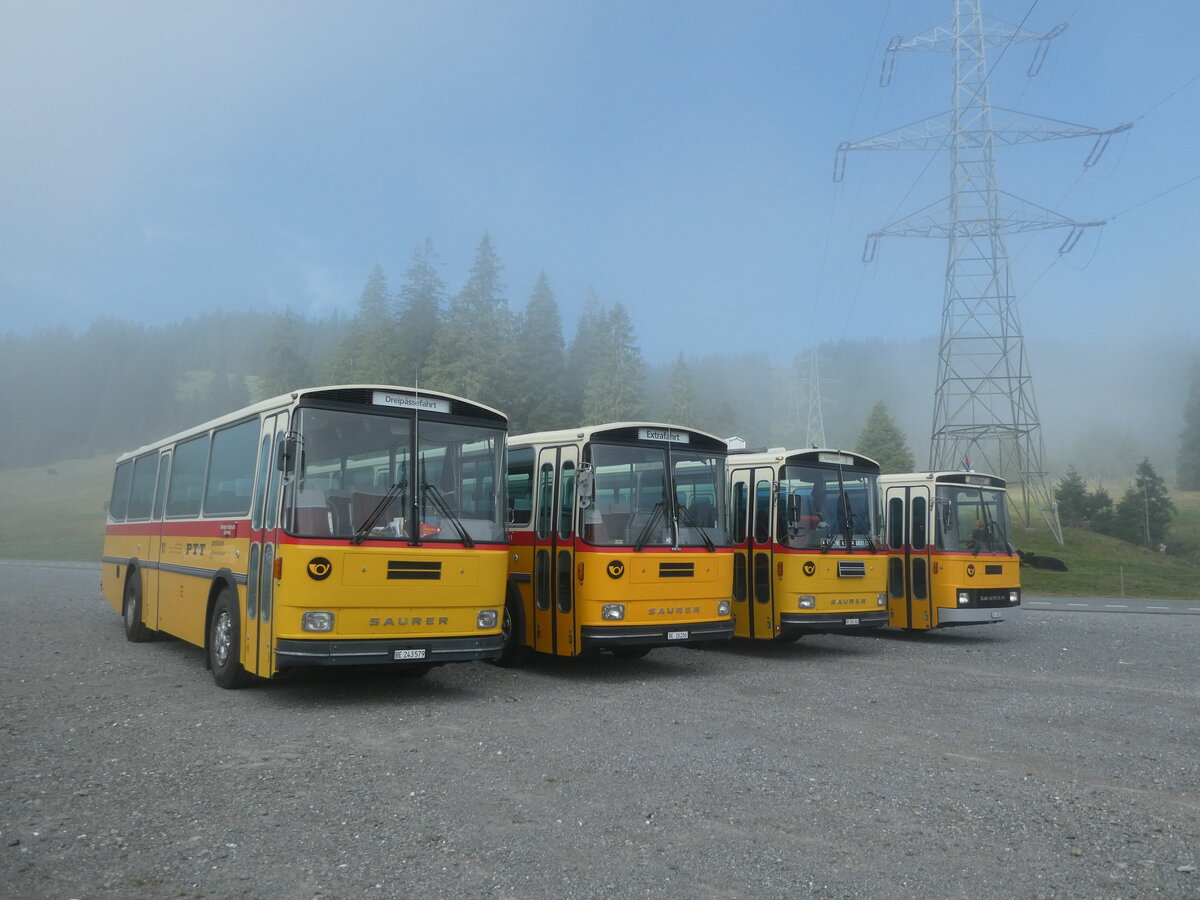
(806, 553)
(617, 539)
(345, 525)
(950, 556)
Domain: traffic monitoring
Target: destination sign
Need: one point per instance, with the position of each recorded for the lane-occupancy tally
(663, 434)
(410, 401)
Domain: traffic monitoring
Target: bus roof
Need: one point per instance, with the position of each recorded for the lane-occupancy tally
(616, 431)
(826, 455)
(342, 392)
(945, 476)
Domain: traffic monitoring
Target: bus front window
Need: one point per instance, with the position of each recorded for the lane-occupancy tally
(357, 479)
(637, 501)
(820, 507)
(972, 519)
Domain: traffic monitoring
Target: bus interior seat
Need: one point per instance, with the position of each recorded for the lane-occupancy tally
(315, 521)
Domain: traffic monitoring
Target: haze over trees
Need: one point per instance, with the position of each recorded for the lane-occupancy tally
(120, 384)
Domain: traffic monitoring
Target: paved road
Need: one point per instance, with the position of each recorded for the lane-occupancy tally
(1052, 755)
(1113, 605)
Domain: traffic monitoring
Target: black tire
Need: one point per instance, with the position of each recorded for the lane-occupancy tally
(131, 611)
(224, 643)
(513, 653)
(634, 652)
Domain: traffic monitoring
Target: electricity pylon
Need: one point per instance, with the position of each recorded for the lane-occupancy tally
(814, 434)
(984, 414)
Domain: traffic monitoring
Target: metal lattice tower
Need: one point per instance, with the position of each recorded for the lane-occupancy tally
(814, 435)
(985, 415)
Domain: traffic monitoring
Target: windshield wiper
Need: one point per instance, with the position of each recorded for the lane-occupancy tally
(444, 509)
(689, 522)
(648, 528)
(364, 529)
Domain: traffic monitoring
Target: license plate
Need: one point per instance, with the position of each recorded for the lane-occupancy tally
(997, 615)
(418, 653)
(677, 635)
(852, 621)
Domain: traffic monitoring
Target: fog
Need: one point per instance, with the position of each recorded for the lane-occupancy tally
(163, 162)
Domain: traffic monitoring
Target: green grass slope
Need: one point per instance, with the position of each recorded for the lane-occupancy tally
(55, 512)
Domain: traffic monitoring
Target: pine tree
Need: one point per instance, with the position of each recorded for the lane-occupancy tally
(1144, 512)
(539, 396)
(1187, 464)
(367, 352)
(286, 362)
(583, 353)
(883, 441)
(1072, 495)
(422, 299)
(475, 355)
(615, 387)
(683, 404)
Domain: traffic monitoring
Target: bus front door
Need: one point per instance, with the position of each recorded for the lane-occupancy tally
(909, 551)
(554, 617)
(257, 617)
(751, 510)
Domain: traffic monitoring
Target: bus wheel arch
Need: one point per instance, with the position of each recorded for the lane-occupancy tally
(514, 651)
(223, 637)
(136, 631)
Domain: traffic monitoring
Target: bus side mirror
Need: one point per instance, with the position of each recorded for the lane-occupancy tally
(285, 460)
(585, 484)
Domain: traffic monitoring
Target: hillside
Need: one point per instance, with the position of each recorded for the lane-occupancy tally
(57, 512)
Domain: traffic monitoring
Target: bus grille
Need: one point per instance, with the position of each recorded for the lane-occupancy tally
(852, 568)
(676, 570)
(414, 571)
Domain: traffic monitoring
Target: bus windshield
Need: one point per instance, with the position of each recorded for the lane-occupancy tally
(972, 518)
(827, 508)
(637, 500)
(357, 479)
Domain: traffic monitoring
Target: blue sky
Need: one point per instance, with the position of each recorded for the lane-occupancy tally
(165, 159)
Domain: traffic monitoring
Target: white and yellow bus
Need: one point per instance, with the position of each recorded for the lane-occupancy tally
(950, 556)
(618, 541)
(347, 525)
(807, 557)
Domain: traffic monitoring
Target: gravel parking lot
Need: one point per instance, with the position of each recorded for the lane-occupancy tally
(1052, 755)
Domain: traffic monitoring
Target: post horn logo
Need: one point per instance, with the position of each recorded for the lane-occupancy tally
(616, 569)
(319, 568)
(971, 570)
(810, 568)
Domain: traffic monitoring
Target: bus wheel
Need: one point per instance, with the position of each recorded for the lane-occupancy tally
(224, 643)
(513, 652)
(630, 652)
(131, 611)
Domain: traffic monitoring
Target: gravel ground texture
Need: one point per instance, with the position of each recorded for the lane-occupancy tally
(1054, 755)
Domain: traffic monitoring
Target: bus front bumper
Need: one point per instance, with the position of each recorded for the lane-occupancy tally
(604, 637)
(430, 651)
(830, 623)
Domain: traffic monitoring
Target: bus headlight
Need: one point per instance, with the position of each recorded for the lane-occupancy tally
(881, 599)
(808, 602)
(964, 598)
(613, 611)
(317, 620)
(723, 608)
(1014, 597)
(486, 618)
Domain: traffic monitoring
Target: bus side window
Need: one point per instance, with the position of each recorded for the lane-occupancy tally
(918, 523)
(895, 525)
(739, 508)
(545, 512)
(520, 486)
(762, 512)
(119, 501)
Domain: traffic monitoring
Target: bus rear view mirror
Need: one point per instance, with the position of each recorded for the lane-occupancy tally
(285, 460)
(585, 483)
